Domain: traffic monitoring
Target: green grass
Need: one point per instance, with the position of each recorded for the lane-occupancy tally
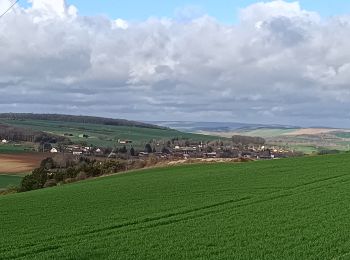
(104, 135)
(281, 209)
(9, 180)
(307, 149)
(343, 135)
(13, 149)
(268, 132)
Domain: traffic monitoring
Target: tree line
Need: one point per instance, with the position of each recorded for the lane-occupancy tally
(49, 175)
(18, 134)
(247, 140)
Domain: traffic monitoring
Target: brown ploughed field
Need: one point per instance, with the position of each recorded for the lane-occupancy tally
(19, 163)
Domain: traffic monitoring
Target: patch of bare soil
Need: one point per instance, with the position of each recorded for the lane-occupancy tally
(20, 163)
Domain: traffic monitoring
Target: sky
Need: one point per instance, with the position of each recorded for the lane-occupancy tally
(273, 62)
(225, 11)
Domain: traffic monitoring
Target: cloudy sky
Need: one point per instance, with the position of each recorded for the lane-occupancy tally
(271, 62)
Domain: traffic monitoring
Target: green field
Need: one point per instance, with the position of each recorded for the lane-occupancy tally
(268, 132)
(105, 135)
(280, 209)
(11, 148)
(343, 135)
(9, 180)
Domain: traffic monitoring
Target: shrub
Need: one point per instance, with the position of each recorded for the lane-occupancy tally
(152, 160)
(34, 181)
(50, 183)
(81, 176)
(139, 164)
(47, 163)
(325, 152)
(69, 180)
(9, 190)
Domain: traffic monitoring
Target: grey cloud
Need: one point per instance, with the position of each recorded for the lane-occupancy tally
(279, 64)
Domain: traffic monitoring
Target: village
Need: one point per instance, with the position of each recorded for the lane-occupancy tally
(177, 149)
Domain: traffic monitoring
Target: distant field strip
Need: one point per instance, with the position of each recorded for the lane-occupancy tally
(7, 180)
(283, 209)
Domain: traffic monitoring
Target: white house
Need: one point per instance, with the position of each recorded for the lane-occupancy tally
(4, 141)
(53, 150)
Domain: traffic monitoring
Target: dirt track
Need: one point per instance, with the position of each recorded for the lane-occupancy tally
(19, 163)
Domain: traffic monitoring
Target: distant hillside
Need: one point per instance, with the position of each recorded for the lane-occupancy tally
(19, 134)
(103, 134)
(77, 119)
(198, 127)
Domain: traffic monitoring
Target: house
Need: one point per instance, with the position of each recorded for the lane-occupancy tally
(186, 155)
(53, 150)
(210, 155)
(77, 152)
(124, 141)
(143, 154)
(86, 149)
(4, 141)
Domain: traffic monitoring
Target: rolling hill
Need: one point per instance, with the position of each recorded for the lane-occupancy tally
(281, 209)
(100, 131)
(307, 140)
(77, 119)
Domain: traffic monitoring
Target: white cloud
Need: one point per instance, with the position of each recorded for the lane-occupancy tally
(45, 9)
(279, 64)
(270, 10)
(120, 24)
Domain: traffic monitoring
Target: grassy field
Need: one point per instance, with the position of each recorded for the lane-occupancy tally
(268, 132)
(9, 180)
(105, 135)
(343, 135)
(307, 149)
(281, 209)
(14, 149)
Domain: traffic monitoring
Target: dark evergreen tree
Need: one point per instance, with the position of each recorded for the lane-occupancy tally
(148, 148)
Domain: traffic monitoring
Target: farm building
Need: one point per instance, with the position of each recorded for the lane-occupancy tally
(4, 141)
(124, 141)
(53, 150)
(210, 155)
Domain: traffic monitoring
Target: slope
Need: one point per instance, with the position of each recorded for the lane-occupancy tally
(281, 209)
(104, 135)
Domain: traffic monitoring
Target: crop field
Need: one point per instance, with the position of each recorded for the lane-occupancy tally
(14, 148)
(9, 180)
(343, 135)
(105, 135)
(281, 209)
(14, 166)
(269, 132)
